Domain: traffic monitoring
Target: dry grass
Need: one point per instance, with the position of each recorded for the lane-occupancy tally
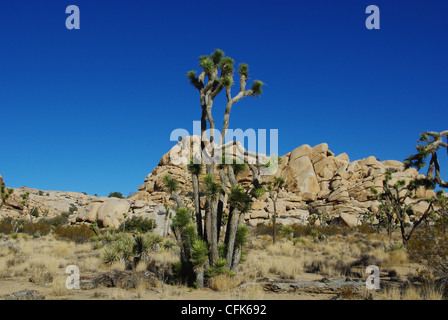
(44, 261)
(223, 282)
(428, 292)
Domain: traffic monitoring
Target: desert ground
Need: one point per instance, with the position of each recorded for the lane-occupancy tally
(294, 268)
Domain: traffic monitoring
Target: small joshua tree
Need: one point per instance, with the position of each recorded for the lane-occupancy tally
(33, 212)
(199, 258)
(172, 187)
(397, 202)
(274, 189)
(4, 193)
(195, 170)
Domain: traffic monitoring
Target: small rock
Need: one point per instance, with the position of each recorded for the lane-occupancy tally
(25, 295)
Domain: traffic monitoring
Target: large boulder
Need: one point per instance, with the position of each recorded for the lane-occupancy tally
(300, 178)
(110, 213)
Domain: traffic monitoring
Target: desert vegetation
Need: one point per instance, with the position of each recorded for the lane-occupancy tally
(306, 262)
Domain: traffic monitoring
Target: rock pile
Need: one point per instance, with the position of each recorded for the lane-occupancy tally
(316, 181)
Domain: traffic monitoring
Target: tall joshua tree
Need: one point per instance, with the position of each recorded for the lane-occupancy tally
(217, 74)
(200, 249)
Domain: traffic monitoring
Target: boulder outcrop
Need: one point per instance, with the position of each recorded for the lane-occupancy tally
(316, 181)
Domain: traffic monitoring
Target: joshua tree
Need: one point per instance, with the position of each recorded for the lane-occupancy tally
(125, 215)
(4, 193)
(33, 212)
(199, 257)
(274, 192)
(397, 202)
(430, 143)
(172, 186)
(216, 76)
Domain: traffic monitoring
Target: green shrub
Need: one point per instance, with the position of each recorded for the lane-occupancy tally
(79, 233)
(219, 268)
(60, 220)
(138, 224)
(115, 195)
(41, 227)
(6, 226)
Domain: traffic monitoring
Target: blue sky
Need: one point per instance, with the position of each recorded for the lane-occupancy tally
(91, 110)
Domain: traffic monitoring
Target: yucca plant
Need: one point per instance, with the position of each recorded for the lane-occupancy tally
(4, 193)
(172, 187)
(199, 258)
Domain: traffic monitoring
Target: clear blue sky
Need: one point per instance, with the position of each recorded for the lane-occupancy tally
(91, 110)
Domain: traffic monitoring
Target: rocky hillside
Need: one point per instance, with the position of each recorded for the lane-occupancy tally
(316, 181)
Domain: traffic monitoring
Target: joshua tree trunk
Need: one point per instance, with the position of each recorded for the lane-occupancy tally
(274, 222)
(213, 236)
(232, 228)
(197, 204)
(222, 198)
(177, 199)
(199, 271)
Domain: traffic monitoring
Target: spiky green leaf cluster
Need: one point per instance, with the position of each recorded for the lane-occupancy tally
(227, 65)
(171, 184)
(195, 168)
(207, 65)
(227, 81)
(212, 188)
(258, 192)
(256, 88)
(191, 75)
(238, 167)
(239, 199)
(242, 236)
(182, 218)
(199, 253)
(5, 193)
(219, 268)
(243, 70)
(216, 56)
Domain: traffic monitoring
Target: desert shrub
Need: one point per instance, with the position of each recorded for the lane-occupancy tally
(430, 247)
(130, 249)
(138, 224)
(79, 233)
(394, 247)
(41, 228)
(60, 220)
(6, 226)
(96, 244)
(115, 195)
(299, 231)
(365, 229)
(169, 245)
